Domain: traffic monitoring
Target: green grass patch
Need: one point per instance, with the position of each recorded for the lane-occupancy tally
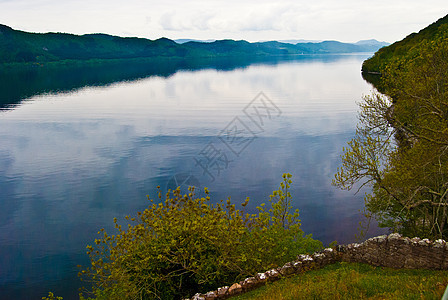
(355, 281)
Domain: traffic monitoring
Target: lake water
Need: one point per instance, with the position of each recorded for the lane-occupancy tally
(73, 160)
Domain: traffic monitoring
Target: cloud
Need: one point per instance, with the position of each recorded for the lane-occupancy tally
(346, 20)
(167, 22)
(264, 18)
(203, 21)
(174, 21)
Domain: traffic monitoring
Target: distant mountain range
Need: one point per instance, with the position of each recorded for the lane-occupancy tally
(25, 47)
(183, 41)
(372, 42)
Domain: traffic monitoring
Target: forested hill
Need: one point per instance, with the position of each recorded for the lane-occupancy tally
(406, 47)
(401, 143)
(20, 46)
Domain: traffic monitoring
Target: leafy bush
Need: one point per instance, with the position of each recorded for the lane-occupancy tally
(51, 296)
(186, 244)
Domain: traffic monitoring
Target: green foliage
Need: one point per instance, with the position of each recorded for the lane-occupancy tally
(51, 296)
(401, 144)
(402, 48)
(355, 281)
(185, 244)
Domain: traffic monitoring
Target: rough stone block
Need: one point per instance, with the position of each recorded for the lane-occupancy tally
(287, 269)
(273, 275)
(298, 266)
(235, 289)
(262, 277)
(250, 283)
(223, 291)
(318, 259)
(211, 295)
(198, 296)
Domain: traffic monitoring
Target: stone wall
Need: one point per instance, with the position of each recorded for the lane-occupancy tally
(393, 251)
(302, 264)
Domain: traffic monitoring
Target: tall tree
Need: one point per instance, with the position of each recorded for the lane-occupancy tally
(401, 143)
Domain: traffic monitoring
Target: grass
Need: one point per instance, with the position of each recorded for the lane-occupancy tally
(355, 281)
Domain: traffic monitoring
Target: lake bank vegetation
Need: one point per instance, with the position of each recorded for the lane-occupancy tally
(401, 142)
(182, 244)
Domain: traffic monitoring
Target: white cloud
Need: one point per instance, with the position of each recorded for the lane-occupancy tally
(269, 17)
(345, 20)
(203, 21)
(167, 22)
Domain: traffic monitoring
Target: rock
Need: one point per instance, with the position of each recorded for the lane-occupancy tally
(303, 257)
(211, 295)
(423, 243)
(341, 248)
(250, 283)
(273, 275)
(287, 269)
(394, 236)
(318, 259)
(297, 266)
(198, 296)
(222, 291)
(378, 239)
(262, 277)
(415, 240)
(307, 261)
(439, 243)
(235, 289)
(331, 256)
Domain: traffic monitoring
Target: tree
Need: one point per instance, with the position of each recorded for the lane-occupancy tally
(185, 244)
(401, 144)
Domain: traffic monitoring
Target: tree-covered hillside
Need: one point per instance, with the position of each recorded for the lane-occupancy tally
(24, 47)
(404, 47)
(19, 46)
(401, 142)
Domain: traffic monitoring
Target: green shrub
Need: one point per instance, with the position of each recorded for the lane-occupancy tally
(51, 296)
(186, 244)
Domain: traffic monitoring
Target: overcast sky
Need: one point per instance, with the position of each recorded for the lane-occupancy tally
(253, 20)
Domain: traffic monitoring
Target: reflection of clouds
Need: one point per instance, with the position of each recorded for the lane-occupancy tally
(70, 163)
(210, 99)
(87, 134)
(7, 188)
(325, 211)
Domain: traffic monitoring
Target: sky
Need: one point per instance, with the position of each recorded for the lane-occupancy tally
(252, 20)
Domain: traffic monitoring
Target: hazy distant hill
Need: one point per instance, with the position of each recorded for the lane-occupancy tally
(372, 42)
(183, 41)
(23, 47)
(301, 41)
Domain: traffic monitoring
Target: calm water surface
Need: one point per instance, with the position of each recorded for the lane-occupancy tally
(70, 162)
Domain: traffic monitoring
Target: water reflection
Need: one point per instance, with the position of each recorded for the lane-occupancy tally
(18, 83)
(70, 162)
